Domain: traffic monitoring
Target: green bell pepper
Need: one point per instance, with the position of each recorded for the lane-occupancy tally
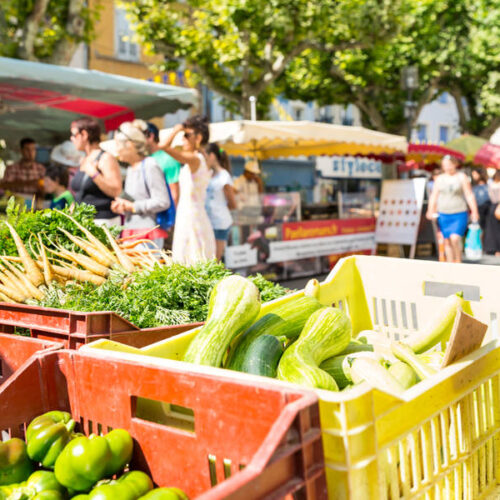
(86, 460)
(41, 484)
(47, 435)
(15, 465)
(130, 486)
(165, 494)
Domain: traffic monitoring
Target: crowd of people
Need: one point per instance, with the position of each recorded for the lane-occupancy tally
(186, 193)
(452, 194)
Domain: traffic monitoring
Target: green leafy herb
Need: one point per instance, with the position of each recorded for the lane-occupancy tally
(167, 295)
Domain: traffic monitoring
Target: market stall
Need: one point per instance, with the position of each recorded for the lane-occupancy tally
(40, 100)
(293, 233)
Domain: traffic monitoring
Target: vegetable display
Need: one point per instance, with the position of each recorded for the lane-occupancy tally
(61, 259)
(85, 467)
(303, 342)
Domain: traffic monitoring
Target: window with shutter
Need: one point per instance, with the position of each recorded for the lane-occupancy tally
(125, 49)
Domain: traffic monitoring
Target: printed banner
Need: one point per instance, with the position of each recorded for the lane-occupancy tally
(352, 167)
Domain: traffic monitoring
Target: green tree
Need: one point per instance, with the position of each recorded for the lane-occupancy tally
(240, 48)
(44, 30)
(439, 37)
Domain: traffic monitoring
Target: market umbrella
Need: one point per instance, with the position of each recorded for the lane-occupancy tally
(274, 139)
(488, 155)
(41, 100)
(467, 144)
(431, 152)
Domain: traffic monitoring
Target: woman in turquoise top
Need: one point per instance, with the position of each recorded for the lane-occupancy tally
(56, 183)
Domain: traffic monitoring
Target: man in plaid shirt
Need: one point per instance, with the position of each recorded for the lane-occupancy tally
(26, 175)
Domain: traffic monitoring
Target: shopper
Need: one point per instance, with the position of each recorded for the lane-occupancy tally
(450, 196)
(98, 180)
(480, 190)
(492, 231)
(194, 238)
(25, 176)
(249, 185)
(56, 184)
(220, 196)
(171, 167)
(145, 191)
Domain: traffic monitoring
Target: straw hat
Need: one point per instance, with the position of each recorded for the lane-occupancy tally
(66, 154)
(252, 166)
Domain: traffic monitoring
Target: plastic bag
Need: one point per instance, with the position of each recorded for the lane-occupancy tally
(473, 247)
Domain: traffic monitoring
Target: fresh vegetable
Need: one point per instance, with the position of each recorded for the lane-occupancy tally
(403, 373)
(404, 353)
(234, 304)
(41, 485)
(47, 435)
(15, 464)
(262, 356)
(165, 494)
(326, 333)
(357, 346)
(364, 368)
(286, 319)
(312, 288)
(86, 460)
(130, 486)
(433, 358)
(335, 367)
(165, 295)
(440, 325)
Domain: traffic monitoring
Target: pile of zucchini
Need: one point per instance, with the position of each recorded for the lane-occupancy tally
(307, 343)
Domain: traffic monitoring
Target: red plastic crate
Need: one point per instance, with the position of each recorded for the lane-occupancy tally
(215, 438)
(15, 350)
(75, 329)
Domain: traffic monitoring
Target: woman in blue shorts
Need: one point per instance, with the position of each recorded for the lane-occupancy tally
(220, 196)
(451, 195)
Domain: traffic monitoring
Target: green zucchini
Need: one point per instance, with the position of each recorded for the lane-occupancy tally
(335, 367)
(403, 373)
(234, 304)
(440, 325)
(370, 370)
(404, 353)
(356, 346)
(262, 357)
(287, 320)
(326, 333)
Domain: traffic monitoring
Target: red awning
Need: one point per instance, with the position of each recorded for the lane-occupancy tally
(434, 149)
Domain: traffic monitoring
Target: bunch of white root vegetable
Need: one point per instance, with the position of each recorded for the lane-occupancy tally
(24, 277)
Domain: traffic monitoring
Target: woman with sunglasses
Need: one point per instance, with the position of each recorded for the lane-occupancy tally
(98, 180)
(145, 185)
(194, 238)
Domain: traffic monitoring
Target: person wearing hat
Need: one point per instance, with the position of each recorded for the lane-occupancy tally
(249, 185)
(66, 154)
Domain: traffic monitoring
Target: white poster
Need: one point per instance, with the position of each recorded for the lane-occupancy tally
(281, 251)
(400, 209)
(353, 167)
(239, 256)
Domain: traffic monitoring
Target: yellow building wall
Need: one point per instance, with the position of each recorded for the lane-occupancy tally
(102, 53)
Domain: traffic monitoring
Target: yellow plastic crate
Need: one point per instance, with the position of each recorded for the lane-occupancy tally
(442, 439)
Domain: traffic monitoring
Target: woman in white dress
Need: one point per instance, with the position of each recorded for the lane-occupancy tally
(194, 238)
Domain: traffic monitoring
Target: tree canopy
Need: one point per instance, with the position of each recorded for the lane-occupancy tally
(44, 30)
(454, 46)
(240, 48)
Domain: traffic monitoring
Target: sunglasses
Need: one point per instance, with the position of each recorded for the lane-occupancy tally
(74, 134)
(188, 135)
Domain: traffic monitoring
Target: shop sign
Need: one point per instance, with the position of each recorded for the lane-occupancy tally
(355, 167)
(318, 247)
(239, 256)
(303, 240)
